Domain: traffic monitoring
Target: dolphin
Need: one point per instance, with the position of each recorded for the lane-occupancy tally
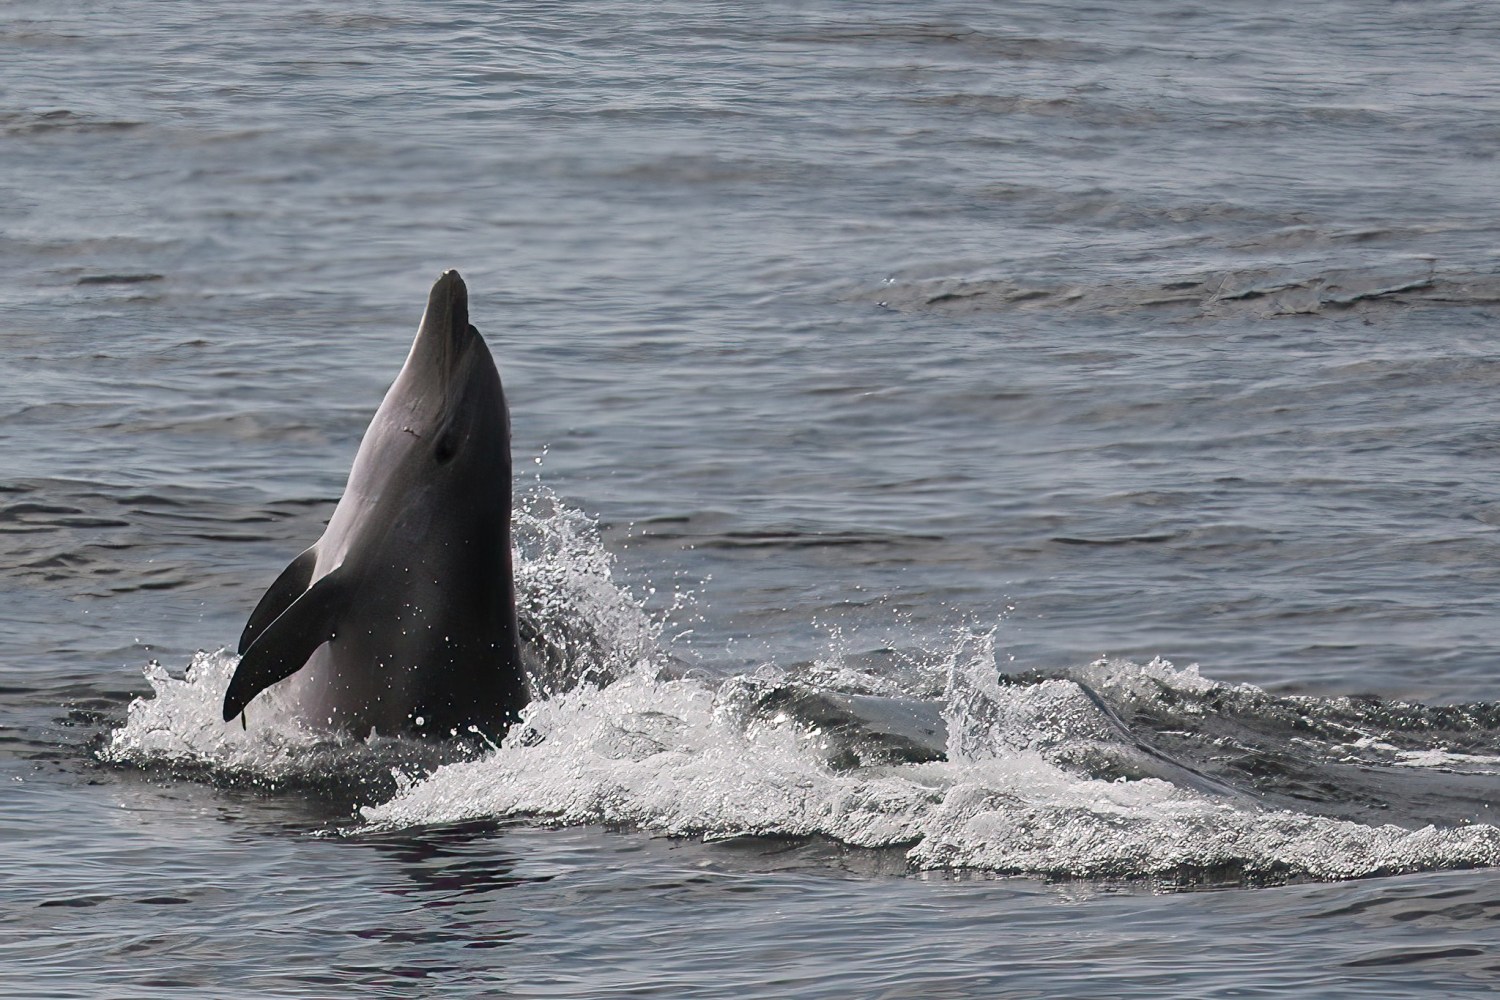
(402, 617)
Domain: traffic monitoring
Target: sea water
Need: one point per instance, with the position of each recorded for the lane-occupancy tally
(1007, 495)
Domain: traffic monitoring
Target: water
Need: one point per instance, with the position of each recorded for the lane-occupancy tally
(905, 397)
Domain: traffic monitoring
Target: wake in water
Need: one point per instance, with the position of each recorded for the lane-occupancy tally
(1114, 769)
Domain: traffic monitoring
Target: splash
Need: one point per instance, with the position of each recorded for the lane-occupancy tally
(682, 757)
(579, 626)
(1110, 770)
(181, 728)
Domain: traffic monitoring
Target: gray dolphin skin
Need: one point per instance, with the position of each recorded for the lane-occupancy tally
(402, 617)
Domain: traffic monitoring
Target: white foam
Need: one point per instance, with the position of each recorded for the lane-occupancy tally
(182, 725)
(674, 757)
(1447, 760)
(591, 629)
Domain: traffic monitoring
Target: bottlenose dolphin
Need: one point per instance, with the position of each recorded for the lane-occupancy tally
(402, 617)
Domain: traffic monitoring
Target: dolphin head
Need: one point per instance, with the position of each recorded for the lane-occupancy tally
(438, 449)
(448, 396)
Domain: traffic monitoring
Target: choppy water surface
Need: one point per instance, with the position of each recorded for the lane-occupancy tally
(985, 469)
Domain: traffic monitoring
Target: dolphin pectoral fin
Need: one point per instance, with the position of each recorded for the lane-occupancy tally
(282, 648)
(290, 585)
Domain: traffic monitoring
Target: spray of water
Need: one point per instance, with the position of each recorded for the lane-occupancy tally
(1039, 777)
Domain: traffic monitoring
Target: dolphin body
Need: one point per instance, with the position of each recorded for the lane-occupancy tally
(402, 617)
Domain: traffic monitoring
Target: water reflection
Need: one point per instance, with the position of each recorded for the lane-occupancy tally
(447, 865)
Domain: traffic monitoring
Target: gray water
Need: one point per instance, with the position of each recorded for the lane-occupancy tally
(896, 390)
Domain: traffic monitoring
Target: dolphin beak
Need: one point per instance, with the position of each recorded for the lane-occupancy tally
(445, 325)
(449, 296)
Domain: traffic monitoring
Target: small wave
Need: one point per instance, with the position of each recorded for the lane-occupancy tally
(61, 119)
(118, 279)
(1267, 291)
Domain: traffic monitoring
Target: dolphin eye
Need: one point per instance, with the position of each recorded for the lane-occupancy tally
(447, 447)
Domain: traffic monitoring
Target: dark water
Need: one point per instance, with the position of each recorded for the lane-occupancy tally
(863, 351)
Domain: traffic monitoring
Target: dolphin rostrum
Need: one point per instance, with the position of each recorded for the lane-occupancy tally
(402, 617)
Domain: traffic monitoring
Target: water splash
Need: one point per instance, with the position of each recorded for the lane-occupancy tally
(180, 728)
(682, 757)
(1112, 769)
(578, 625)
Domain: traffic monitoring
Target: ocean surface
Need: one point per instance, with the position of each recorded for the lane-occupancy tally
(1008, 495)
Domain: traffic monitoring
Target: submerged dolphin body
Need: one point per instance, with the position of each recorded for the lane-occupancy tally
(402, 617)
